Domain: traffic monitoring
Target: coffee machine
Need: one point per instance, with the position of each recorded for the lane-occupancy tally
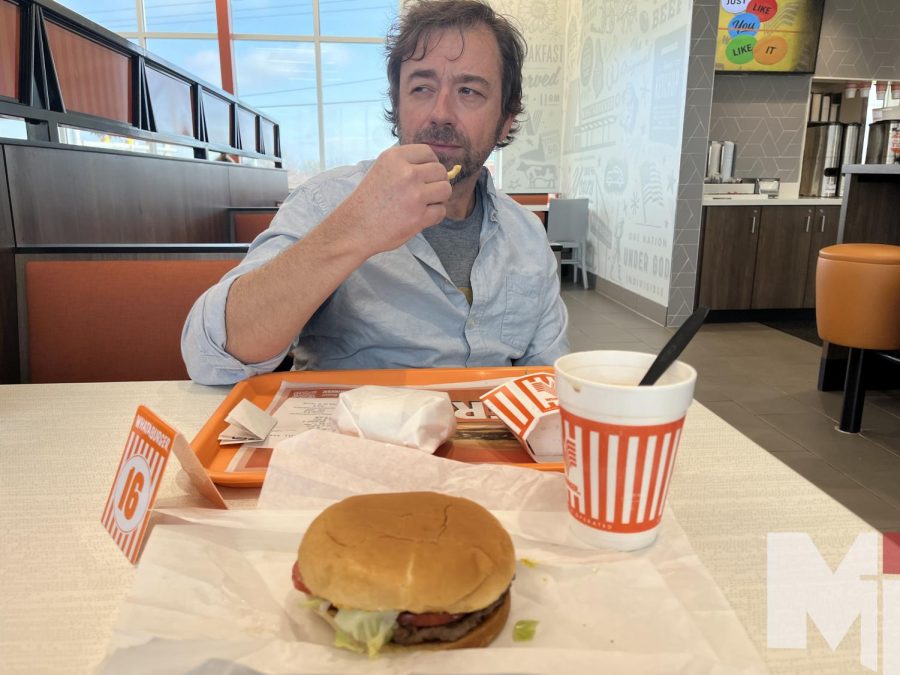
(851, 151)
(884, 141)
(821, 169)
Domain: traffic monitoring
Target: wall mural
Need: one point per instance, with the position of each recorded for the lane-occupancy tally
(532, 162)
(621, 141)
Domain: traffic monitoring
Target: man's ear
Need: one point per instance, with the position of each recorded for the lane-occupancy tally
(504, 130)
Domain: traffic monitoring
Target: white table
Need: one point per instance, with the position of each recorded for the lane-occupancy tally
(62, 578)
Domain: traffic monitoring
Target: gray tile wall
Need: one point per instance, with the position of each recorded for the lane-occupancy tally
(859, 39)
(685, 250)
(765, 115)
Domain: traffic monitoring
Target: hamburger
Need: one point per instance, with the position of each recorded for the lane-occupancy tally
(406, 571)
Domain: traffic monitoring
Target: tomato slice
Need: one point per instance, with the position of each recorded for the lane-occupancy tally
(427, 619)
(298, 580)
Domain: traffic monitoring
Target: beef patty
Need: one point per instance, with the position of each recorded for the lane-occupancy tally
(449, 632)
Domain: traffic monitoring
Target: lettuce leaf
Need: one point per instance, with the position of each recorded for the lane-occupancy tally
(362, 631)
(312, 602)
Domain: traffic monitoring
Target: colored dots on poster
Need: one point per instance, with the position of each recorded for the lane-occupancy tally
(740, 50)
(764, 9)
(770, 50)
(735, 6)
(743, 24)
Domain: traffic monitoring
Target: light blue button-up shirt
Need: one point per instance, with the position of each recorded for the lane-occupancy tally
(400, 309)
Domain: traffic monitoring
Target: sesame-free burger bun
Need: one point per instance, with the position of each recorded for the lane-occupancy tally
(411, 551)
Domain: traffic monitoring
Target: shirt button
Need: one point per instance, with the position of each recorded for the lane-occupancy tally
(471, 323)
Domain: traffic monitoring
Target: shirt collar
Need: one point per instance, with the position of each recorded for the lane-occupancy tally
(490, 194)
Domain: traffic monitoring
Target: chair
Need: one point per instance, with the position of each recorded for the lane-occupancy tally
(567, 224)
(858, 306)
(111, 320)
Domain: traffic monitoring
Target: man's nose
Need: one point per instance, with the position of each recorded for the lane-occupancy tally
(443, 111)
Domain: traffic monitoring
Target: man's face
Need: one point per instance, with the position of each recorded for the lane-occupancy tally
(450, 99)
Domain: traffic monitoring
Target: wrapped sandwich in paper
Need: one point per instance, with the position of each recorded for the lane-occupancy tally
(413, 418)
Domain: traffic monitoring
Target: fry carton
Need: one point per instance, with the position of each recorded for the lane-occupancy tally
(529, 407)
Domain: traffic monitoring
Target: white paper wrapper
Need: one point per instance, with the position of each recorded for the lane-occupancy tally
(413, 418)
(213, 593)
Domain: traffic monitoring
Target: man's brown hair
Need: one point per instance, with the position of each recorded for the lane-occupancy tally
(410, 38)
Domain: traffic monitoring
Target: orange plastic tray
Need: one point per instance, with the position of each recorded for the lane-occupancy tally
(261, 389)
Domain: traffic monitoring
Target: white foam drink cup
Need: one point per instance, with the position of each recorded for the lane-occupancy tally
(619, 443)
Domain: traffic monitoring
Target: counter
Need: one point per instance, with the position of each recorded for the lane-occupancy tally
(871, 210)
(760, 200)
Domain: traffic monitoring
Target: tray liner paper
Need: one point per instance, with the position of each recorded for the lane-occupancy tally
(213, 591)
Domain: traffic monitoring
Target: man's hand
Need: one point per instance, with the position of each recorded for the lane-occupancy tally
(404, 191)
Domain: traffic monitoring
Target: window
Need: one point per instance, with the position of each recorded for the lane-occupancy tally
(326, 87)
(89, 138)
(198, 57)
(116, 15)
(324, 84)
(354, 94)
(171, 16)
(360, 18)
(272, 17)
(13, 127)
(279, 79)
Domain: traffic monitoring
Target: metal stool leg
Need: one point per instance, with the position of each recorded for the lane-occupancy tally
(854, 393)
(581, 255)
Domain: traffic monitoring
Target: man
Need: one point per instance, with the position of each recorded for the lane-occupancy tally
(389, 264)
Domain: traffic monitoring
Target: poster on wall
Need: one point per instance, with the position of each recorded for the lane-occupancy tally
(769, 36)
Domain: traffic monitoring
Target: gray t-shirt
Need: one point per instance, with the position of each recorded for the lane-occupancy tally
(456, 244)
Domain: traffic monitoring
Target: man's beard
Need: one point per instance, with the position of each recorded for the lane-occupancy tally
(472, 159)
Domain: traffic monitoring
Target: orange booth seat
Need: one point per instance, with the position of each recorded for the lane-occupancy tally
(246, 224)
(111, 320)
(539, 199)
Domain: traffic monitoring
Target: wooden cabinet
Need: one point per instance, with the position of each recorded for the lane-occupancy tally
(763, 257)
(824, 233)
(729, 256)
(781, 257)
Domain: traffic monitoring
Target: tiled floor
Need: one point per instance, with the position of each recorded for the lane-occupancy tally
(763, 382)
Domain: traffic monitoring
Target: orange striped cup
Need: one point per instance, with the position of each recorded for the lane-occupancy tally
(619, 443)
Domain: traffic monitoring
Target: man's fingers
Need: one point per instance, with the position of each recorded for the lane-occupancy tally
(433, 172)
(434, 213)
(437, 193)
(417, 153)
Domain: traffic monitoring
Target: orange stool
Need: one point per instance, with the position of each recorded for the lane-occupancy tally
(858, 306)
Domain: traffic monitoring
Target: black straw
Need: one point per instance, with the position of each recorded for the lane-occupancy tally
(675, 346)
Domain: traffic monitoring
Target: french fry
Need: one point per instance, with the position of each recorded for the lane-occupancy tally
(452, 173)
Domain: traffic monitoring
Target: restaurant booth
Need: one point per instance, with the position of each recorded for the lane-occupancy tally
(110, 153)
